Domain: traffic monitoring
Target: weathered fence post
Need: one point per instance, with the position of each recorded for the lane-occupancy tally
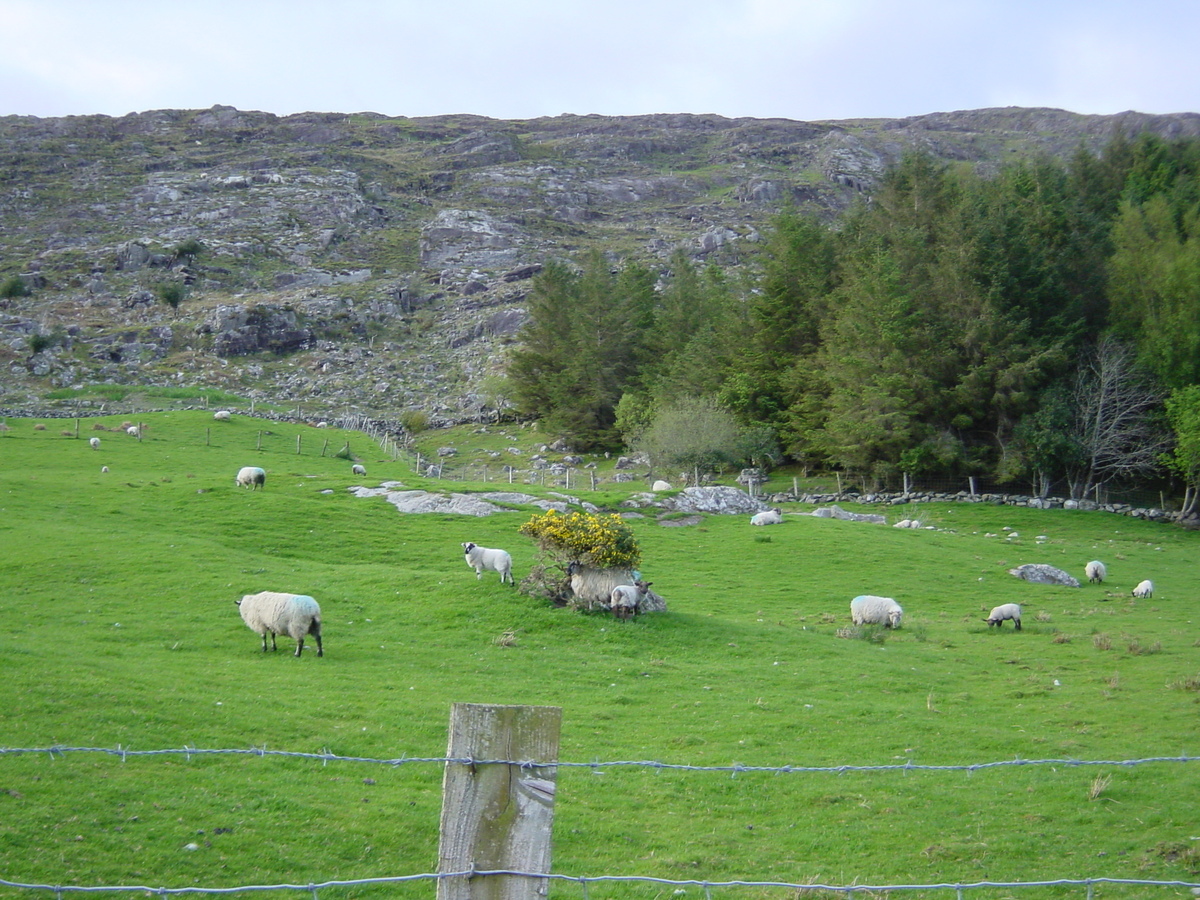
(207, 437)
(258, 445)
(298, 445)
(971, 483)
(497, 816)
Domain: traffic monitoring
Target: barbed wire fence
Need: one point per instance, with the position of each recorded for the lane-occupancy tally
(1088, 884)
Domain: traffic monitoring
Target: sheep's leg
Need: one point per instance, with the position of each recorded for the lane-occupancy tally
(273, 647)
(264, 637)
(315, 630)
(1017, 623)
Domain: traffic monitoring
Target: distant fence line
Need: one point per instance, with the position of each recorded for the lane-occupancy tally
(732, 768)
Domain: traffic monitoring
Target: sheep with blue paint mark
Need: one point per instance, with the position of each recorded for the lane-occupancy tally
(274, 612)
(251, 476)
(867, 609)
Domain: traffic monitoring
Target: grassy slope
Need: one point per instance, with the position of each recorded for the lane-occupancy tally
(116, 592)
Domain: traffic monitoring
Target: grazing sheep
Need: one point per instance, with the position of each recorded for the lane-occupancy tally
(133, 431)
(868, 609)
(1144, 589)
(358, 470)
(271, 612)
(222, 415)
(767, 517)
(95, 442)
(1040, 573)
(1095, 571)
(251, 476)
(480, 558)
(626, 599)
(1002, 613)
(104, 470)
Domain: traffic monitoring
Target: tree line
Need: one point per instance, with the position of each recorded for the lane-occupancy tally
(1038, 325)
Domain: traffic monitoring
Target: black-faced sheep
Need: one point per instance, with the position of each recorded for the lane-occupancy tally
(767, 517)
(867, 609)
(1095, 571)
(480, 558)
(1003, 613)
(251, 476)
(358, 469)
(272, 612)
(1144, 589)
(626, 599)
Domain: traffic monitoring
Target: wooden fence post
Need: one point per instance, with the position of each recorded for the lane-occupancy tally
(298, 444)
(498, 816)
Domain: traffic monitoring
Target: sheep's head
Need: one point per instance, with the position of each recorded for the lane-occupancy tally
(894, 618)
(468, 547)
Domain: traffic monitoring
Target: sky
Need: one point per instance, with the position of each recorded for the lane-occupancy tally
(807, 60)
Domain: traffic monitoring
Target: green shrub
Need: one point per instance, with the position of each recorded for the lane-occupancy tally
(14, 286)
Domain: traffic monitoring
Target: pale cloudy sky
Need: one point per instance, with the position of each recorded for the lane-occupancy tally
(796, 59)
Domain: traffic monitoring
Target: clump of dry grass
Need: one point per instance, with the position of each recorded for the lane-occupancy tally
(1101, 641)
(1099, 784)
(1043, 616)
(1061, 638)
(507, 639)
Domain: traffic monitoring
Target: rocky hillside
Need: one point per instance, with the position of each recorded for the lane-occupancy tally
(381, 263)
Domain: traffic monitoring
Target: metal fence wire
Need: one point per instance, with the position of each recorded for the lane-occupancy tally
(960, 889)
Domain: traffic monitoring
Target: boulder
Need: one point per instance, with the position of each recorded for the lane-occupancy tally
(1040, 573)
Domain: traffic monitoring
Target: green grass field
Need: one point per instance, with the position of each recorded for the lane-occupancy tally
(120, 630)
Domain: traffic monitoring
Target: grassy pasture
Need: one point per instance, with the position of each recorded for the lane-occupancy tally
(117, 590)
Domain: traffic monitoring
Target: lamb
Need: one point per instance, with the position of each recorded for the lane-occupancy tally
(271, 612)
(251, 476)
(222, 415)
(1144, 589)
(480, 558)
(626, 599)
(358, 469)
(868, 609)
(767, 517)
(1095, 571)
(95, 442)
(1002, 613)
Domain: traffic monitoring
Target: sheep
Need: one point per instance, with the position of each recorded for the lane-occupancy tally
(480, 558)
(133, 431)
(222, 415)
(95, 442)
(868, 609)
(660, 486)
(626, 599)
(1002, 613)
(104, 470)
(358, 469)
(271, 612)
(1144, 589)
(251, 476)
(767, 517)
(1095, 571)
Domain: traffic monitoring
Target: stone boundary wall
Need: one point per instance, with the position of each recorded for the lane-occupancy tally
(898, 498)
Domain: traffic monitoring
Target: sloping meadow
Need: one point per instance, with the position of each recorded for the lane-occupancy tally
(120, 631)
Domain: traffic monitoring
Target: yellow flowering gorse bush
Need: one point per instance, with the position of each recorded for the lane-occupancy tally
(602, 542)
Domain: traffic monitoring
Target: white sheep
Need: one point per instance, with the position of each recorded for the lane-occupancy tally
(480, 558)
(1003, 613)
(222, 415)
(867, 609)
(133, 431)
(272, 612)
(104, 470)
(767, 517)
(95, 442)
(1095, 571)
(660, 486)
(358, 469)
(1144, 589)
(252, 477)
(626, 599)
